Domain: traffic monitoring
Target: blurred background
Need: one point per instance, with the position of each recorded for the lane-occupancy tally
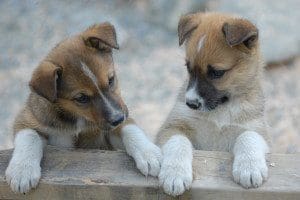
(150, 64)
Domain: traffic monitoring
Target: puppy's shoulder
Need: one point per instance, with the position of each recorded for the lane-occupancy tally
(25, 119)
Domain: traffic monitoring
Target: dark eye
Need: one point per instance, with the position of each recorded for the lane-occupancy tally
(111, 81)
(82, 98)
(188, 66)
(213, 73)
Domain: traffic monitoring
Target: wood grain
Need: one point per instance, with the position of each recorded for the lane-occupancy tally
(96, 174)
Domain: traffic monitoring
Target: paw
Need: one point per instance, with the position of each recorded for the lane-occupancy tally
(175, 178)
(22, 176)
(148, 159)
(249, 172)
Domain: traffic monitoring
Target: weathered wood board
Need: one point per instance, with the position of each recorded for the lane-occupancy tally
(96, 174)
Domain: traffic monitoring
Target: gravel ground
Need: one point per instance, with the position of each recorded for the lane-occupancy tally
(149, 63)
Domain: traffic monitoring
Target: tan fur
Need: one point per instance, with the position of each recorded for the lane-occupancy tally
(218, 128)
(52, 111)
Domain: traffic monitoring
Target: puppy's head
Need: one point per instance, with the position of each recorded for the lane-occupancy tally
(222, 58)
(79, 78)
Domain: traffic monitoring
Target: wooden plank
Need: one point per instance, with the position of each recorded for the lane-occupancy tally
(96, 174)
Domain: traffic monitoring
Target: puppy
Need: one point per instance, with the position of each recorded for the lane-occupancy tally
(220, 106)
(75, 101)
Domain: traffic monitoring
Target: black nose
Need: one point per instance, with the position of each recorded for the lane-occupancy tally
(116, 119)
(194, 104)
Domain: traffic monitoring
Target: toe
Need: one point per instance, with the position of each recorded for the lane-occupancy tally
(24, 185)
(187, 183)
(14, 185)
(168, 185)
(256, 178)
(264, 172)
(178, 186)
(142, 164)
(34, 182)
(236, 176)
(8, 179)
(154, 167)
(245, 179)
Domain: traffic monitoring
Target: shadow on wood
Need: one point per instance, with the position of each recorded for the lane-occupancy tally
(96, 174)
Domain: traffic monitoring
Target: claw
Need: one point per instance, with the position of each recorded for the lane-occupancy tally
(149, 167)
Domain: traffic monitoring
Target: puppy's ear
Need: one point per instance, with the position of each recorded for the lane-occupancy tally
(101, 37)
(240, 31)
(44, 80)
(186, 26)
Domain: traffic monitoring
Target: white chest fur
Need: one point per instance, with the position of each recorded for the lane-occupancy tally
(61, 140)
(214, 130)
(63, 137)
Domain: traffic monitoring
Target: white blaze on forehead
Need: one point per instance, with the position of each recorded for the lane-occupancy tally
(201, 43)
(90, 74)
(86, 70)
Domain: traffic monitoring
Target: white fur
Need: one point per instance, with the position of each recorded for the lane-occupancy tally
(64, 137)
(60, 137)
(201, 43)
(24, 171)
(209, 126)
(61, 140)
(249, 166)
(80, 124)
(92, 76)
(192, 94)
(176, 173)
(146, 154)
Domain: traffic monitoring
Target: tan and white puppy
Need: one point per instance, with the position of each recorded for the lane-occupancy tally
(221, 105)
(75, 101)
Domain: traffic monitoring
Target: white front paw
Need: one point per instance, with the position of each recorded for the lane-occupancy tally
(249, 172)
(147, 159)
(175, 177)
(23, 176)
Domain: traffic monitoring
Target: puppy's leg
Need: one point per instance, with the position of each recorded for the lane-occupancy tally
(147, 155)
(176, 173)
(249, 165)
(24, 171)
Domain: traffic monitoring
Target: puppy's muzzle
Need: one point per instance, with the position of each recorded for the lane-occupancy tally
(116, 118)
(193, 104)
(192, 99)
(113, 112)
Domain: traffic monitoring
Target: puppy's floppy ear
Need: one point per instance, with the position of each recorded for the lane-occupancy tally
(44, 80)
(101, 36)
(240, 31)
(186, 26)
